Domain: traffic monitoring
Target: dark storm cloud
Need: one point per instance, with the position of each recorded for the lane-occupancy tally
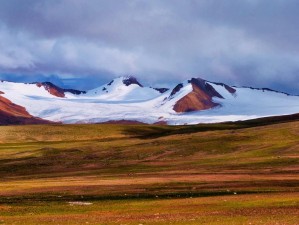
(248, 42)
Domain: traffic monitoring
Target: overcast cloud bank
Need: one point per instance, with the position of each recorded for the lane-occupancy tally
(86, 43)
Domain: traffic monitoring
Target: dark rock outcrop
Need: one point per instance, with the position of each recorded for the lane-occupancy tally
(131, 80)
(176, 89)
(161, 90)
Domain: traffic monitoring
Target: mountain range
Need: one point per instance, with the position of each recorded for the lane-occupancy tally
(126, 100)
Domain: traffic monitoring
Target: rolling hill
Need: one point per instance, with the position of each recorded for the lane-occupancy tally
(227, 173)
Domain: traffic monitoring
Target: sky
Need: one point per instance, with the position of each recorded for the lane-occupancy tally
(83, 44)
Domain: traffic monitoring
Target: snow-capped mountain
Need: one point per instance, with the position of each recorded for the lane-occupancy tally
(124, 98)
(126, 89)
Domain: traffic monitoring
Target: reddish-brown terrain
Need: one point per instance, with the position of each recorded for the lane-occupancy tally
(11, 113)
(52, 89)
(57, 91)
(199, 98)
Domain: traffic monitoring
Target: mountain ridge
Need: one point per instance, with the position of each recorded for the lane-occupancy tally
(125, 98)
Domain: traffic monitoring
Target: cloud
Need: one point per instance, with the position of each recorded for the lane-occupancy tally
(252, 42)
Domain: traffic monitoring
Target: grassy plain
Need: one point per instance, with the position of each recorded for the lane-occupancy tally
(232, 173)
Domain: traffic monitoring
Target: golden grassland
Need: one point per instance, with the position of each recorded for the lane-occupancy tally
(232, 173)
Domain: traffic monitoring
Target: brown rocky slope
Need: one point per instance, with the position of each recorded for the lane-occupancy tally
(11, 113)
(200, 98)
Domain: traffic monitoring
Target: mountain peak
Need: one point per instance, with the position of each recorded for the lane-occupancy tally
(128, 80)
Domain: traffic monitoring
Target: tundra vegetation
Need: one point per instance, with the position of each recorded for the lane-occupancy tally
(229, 173)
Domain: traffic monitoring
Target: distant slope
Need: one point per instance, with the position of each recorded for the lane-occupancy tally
(145, 132)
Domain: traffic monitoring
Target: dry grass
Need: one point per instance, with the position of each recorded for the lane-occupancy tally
(206, 174)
